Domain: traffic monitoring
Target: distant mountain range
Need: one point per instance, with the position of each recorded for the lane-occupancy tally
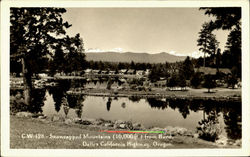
(136, 57)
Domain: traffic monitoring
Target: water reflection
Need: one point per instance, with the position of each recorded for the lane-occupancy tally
(230, 111)
(134, 98)
(108, 104)
(59, 92)
(37, 101)
(65, 105)
(209, 128)
(233, 124)
(155, 103)
(123, 105)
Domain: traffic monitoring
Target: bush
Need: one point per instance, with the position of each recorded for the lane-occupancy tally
(196, 80)
(232, 81)
(209, 128)
(173, 81)
(209, 82)
(17, 104)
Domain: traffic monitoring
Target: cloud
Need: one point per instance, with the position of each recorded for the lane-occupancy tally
(117, 49)
(176, 54)
(96, 50)
(195, 54)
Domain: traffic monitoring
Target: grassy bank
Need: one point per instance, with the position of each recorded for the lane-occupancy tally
(217, 93)
(47, 134)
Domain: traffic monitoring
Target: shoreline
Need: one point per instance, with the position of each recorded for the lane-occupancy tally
(230, 95)
(43, 128)
(194, 94)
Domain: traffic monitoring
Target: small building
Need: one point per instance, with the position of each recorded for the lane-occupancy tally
(122, 71)
(42, 75)
(130, 72)
(88, 71)
(95, 71)
(140, 72)
(112, 72)
(147, 72)
(104, 72)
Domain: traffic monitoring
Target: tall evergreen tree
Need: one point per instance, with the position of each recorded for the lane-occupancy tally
(207, 41)
(187, 69)
(228, 18)
(34, 35)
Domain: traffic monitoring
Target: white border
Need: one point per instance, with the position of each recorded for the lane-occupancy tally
(5, 130)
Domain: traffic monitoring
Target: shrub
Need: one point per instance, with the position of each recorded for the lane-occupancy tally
(209, 129)
(17, 104)
(232, 81)
(196, 80)
(209, 82)
(173, 81)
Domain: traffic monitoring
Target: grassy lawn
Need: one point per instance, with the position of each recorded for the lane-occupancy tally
(22, 126)
(190, 92)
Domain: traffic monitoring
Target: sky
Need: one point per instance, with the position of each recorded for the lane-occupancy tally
(150, 30)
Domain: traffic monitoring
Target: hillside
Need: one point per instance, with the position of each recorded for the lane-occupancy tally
(136, 57)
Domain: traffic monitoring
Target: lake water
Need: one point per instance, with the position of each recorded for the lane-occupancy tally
(149, 112)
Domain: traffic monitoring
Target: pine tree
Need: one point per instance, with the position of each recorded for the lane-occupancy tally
(35, 34)
(207, 41)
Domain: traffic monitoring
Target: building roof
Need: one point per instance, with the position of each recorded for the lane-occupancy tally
(88, 70)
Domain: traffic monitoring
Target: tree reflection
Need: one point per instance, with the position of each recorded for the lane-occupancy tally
(184, 110)
(155, 103)
(38, 96)
(76, 102)
(58, 92)
(182, 105)
(65, 105)
(134, 98)
(232, 120)
(209, 128)
(123, 105)
(108, 104)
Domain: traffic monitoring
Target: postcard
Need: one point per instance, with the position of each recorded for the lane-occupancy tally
(125, 78)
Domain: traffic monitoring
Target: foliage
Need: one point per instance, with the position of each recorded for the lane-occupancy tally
(196, 80)
(207, 41)
(228, 18)
(181, 81)
(75, 58)
(17, 104)
(209, 128)
(173, 81)
(186, 69)
(109, 83)
(209, 82)
(34, 33)
(232, 81)
(232, 121)
(154, 74)
(158, 71)
(233, 46)
(138, 82)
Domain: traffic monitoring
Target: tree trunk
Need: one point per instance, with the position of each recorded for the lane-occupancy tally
(204, 61)
(27, 82)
